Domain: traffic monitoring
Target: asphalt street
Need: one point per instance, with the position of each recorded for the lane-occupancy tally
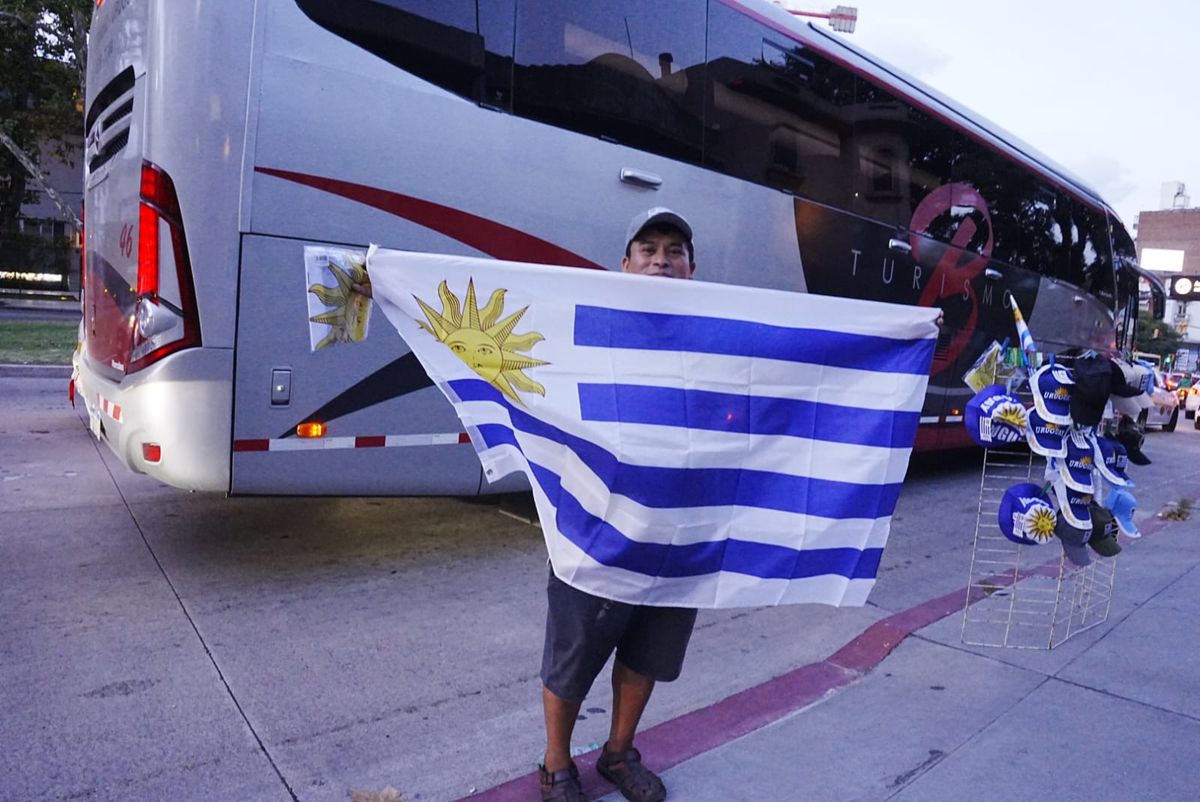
(156, 644)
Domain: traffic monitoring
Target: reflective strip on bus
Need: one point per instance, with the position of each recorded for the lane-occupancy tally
(360, 441)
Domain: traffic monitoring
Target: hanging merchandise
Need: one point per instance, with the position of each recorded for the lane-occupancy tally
(1075, 469)
(1123, 505)
(1026, 514)
(1045, 439)
(1111, 461)
(1104, 540)
(1051, 387)
(994, 418)
(1027, 344)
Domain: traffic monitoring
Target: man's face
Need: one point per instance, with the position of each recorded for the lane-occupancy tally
(661, 252)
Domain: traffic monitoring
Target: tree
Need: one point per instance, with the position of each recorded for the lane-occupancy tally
(1155, 336)
(42, 69)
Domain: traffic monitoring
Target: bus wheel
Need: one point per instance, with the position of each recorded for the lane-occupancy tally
(1169, 426)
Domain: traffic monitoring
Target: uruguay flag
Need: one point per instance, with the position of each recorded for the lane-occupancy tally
(688, 443)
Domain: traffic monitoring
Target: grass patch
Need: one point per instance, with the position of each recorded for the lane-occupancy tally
(34, 343)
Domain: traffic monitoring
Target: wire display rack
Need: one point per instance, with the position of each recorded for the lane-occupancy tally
(1027, 596)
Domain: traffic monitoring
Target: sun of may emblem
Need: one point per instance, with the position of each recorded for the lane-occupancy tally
(485, 342)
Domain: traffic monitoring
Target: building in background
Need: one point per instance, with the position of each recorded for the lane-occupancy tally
(1168, 244)
(40, 256)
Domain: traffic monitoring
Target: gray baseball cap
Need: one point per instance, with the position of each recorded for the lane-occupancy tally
(659, 215)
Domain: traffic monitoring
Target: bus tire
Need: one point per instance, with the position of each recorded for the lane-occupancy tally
(1169, 426)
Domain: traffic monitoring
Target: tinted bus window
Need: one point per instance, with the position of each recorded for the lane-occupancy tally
(438, 40)
(619, 69)
(1090, 255)
(1124, 261)
(780, 114)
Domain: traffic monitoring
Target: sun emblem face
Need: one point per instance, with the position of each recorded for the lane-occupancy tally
(1012, 414)
(483, 341)
(1040, 523)
(350, 313)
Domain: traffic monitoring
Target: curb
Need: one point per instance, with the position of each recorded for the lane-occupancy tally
(12, 371)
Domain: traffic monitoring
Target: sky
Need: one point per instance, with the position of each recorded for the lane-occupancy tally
(1110, 91)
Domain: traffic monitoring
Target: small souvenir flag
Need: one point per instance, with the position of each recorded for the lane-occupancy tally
(1027, 344)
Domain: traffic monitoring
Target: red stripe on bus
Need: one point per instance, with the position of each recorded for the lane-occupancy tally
(251, 445)
(371, 441)
(494, 239)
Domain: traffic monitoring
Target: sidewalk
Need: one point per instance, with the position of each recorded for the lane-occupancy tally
(906, 711)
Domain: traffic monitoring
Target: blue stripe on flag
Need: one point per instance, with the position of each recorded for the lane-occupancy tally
(659, 487)
(608, 545)
(653, 331)
(749, 414)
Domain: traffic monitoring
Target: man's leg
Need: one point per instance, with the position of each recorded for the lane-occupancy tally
(631, 692)
(560, 723)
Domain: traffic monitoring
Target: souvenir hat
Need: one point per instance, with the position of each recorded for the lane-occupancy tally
(1104, 540)
(1111, 461)
(1076, 467)
(1093, 386)
(1074, 541)
(993, 417)
(1027, 515)
(1045, 438)
(1051, 386)
(1131, 437)
(1073, 505)
(1123, 505)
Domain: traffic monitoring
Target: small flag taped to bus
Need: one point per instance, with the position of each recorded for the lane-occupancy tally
(688, 443)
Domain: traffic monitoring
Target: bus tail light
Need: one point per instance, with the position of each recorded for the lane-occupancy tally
(151, 452)
(165, 319)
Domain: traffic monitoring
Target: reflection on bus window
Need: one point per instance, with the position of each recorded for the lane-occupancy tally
(624, 70)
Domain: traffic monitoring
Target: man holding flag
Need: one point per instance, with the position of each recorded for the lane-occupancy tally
(688, 445)
(582, 630)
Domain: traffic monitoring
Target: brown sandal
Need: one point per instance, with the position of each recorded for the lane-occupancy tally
(626, 771)
(562, 785)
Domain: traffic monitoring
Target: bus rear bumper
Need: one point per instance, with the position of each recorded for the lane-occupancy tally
(182, 404)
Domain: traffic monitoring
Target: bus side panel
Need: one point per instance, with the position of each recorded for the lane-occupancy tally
(390, 434)
(349, 152)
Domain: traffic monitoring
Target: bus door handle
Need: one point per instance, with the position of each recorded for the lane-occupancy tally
(899, 245)
(641, 178)
(993, 274)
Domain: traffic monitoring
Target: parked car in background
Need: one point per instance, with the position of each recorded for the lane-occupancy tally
(1165, 410)
(1188, 390)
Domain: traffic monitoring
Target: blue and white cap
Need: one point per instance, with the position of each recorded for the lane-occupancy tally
(995, 418)
(1027, 515)
(1076, 467)
(1111, 461)
(1123, 505)
(1051, 386)
(1073, 506)
(1045, 438)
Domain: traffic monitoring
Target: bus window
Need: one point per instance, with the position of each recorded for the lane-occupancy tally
(438, 40)
(619, 69)
(1090, 254)
(768, 90)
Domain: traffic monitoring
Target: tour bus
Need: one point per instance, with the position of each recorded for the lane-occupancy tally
(232, 146)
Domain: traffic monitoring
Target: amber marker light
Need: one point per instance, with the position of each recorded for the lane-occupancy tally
(312, 428)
